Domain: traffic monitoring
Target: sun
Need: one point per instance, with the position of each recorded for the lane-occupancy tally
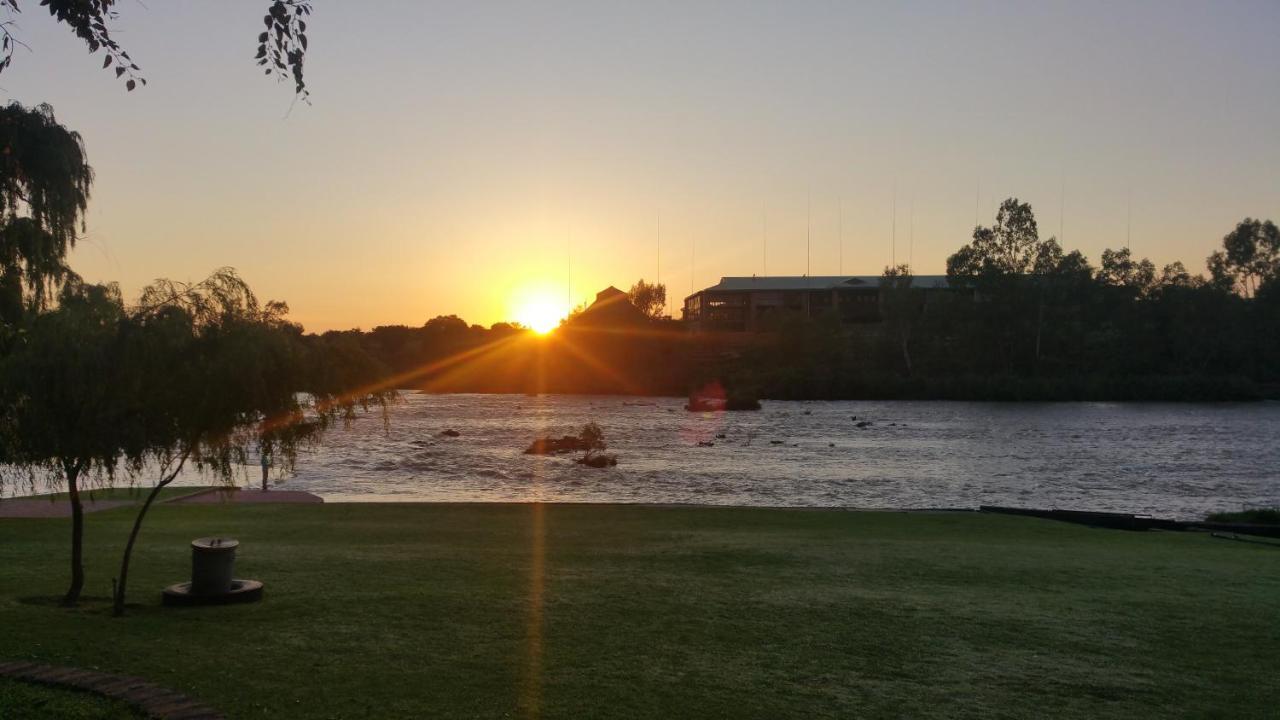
(539, 314)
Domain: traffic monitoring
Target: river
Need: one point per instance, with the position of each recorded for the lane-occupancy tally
(1169, 460)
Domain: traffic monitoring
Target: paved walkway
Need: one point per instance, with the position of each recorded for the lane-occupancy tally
(46, 508)
(155, 701)
(235, 495)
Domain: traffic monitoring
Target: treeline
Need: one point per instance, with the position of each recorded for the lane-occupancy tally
(1025, 320)
(1022, 319)
(446, 354)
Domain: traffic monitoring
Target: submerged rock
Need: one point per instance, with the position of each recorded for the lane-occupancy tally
(556, 446)
(713, 398)
(706, 443)
(705, 404)
(598, 461)
(451, 433)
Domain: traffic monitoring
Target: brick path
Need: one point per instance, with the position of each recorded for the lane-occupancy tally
(236, 495)
(155, 701)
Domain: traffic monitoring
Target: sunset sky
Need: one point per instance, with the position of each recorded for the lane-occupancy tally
(457, 155)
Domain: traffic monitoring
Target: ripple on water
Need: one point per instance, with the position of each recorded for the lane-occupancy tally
(1163, 459)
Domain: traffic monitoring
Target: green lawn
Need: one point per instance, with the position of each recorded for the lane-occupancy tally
(452, 611)
(23, 701)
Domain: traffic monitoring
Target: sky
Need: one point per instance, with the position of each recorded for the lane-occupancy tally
(476, 158)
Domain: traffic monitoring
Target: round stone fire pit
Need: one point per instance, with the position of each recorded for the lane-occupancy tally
(212, 581)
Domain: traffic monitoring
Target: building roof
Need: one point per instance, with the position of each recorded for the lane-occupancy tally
(608, 294)
(611, 308)
(815, 282)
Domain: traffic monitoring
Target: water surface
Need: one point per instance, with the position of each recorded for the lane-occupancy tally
(1175, 460)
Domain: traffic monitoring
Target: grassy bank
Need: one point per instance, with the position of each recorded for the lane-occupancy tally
(384, 611)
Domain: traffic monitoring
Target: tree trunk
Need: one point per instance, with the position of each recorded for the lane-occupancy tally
(77, 536)
(118, 599)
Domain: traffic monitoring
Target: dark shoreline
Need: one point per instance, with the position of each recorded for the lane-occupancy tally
(1155, 389)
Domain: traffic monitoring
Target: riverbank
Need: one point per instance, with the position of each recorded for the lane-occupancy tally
(417, 610)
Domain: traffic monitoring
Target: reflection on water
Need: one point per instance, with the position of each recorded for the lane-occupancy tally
(1170, 460)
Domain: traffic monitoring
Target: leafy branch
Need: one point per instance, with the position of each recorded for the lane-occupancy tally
(282, 46)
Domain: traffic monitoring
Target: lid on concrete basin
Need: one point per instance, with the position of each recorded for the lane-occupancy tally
(215, 543)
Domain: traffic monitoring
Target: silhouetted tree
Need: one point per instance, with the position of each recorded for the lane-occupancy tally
(899, 307)
(1120, 270)
(1008, 248)
(215, 375)
(282, 46)
(649, 298)
(61, 419)
(1250, 255)
(592, 438)
(44, 191)
(1175, 275)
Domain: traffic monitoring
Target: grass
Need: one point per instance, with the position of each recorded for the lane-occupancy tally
(23, 701)
(452, 611)
(1254, 516)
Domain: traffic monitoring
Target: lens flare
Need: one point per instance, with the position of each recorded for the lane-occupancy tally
(538, 312)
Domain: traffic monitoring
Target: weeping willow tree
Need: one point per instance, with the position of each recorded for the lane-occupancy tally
(211, 375)
(44, 192)
(61, 419)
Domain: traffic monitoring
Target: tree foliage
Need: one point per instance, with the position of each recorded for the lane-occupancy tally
(899, 306)
(1010, 247)
(61, 420)
(45, 180)
(215, 375)
(1024, 319)
(281, 48)
(194, 376)
(1250, 255)
(649, 298)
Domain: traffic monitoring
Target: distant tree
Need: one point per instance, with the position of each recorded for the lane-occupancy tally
(282, 46)
(1010, 247)
(446, 325)
(44, 192)
(1119, 269)
(1175, 275)
(502, 329)
(592, 438)
(1267, 308)
(1058, 280)
(649, 298)
(61, 420)
(1250, 255)
(899, 306)
(1015, 273)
